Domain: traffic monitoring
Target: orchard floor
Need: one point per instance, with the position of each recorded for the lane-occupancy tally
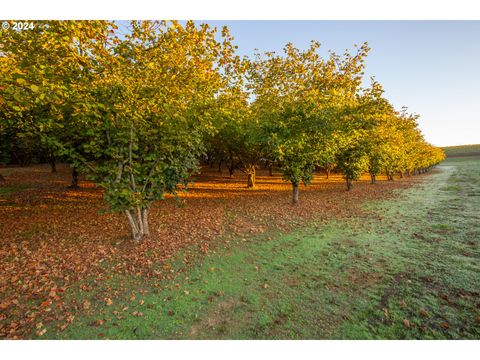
(393, 260)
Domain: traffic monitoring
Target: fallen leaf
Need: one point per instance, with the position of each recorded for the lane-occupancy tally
(41, 332)
(45, 303)
(424, 313)
(4, 305)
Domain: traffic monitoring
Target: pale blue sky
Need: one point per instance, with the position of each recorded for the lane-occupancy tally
(432, 67)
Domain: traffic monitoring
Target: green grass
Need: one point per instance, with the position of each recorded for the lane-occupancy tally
(462, 150)
(406, 269)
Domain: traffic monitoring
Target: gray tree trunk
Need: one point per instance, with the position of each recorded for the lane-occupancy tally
(138, 220)
(146, 228)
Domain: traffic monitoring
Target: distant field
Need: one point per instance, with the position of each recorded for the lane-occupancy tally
(462, 150)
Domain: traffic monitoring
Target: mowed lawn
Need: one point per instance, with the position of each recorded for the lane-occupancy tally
(386, 261)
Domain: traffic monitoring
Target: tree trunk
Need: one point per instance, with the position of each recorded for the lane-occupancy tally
(231, 170)
(349, 184)
(400, 175)
(220, 165)
(74, 184)
(2, 179)
(133, 226)
(146, 228)
(138, 220)
(270, 170)
(294, 193)
(327, 171)
(230, 164)
(251, 177)
(374, 178)
(53, 165)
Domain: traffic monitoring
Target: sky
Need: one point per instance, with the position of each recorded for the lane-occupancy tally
(432, 67)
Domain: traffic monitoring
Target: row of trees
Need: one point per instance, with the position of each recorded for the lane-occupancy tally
(136, 110)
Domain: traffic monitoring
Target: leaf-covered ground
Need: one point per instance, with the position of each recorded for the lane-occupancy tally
(69, 268)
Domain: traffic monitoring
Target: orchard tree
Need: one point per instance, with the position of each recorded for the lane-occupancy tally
(377, 113)
(238, 138)
(147, 111)
(401, 140)
(250, 148)
(352, 157)
(350, 123)
(327, 160)
(296, 157)
(275, 82)
(298, 97)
